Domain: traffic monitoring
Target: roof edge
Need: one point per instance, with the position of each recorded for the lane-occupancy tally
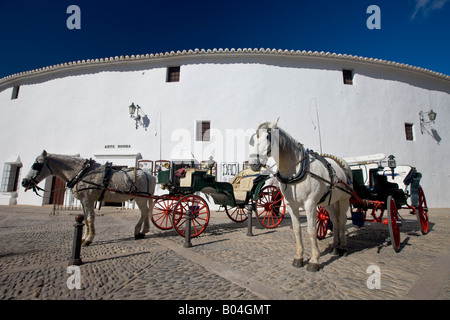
(14, 78)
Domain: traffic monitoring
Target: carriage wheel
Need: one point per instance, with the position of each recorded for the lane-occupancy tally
(422, 212)
(394, 230)
(200, 215)
(322, 222)
(162, 212)
(270, 207)
(237, 214)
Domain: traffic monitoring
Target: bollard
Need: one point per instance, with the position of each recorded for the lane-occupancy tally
(249, 209)
(76, 248)
(187, 233)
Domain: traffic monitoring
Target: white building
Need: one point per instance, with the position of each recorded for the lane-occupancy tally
(365, 106)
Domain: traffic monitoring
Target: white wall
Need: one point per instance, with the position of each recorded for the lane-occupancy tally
(81, 111)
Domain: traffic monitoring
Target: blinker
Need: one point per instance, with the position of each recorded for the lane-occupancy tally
(37, 166)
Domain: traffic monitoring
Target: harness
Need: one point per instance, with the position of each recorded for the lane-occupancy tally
(301, 174)
(106, 178)
(84, 170)
(86, 166)
(108, 173)
(305, 161)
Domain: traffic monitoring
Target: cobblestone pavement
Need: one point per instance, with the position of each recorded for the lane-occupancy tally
(224, 263)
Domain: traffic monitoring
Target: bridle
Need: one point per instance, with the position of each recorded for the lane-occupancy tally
(269, 150)
(37, 166)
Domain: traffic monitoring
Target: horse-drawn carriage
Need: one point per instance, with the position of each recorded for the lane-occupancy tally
(184, 181)
(376, 189)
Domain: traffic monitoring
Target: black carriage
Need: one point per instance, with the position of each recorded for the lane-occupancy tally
(375, 192)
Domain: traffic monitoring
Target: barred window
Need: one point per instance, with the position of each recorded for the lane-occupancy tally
(10, 178)
(203, 131)
(409, 131)
(15, 93)
(173, 74)
(348, 76)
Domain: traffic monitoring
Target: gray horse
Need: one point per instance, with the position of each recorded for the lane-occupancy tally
(91, 182)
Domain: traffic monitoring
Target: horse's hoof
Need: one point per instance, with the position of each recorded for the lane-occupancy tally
(298, 263)
(86, 243)
(139, 236)
(335, 252)
(313, 267)
(343, 252)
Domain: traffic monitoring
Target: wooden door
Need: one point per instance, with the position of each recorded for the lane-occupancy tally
(58, 190)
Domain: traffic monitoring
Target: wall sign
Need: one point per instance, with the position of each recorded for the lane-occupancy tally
(119, 146)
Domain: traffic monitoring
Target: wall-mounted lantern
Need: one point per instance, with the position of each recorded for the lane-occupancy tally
(138, 116)
(431, 117)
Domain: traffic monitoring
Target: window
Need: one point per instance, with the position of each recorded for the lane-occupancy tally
(173, 74)
(203, 131)
(15, 93)
(409, 131)
(10, 178)
(348, 76)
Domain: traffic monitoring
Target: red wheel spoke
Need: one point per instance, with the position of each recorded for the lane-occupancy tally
(200, 215)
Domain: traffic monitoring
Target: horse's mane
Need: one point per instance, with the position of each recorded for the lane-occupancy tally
(286, 141)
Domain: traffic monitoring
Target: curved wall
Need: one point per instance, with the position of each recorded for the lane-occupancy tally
(83, 108)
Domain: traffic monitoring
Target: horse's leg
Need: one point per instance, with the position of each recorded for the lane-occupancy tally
(149, 216)
(311, 215)
(90, 218)
(296, 227)
(333, 213)
(342, 220)
(144, 220)
(85, 230)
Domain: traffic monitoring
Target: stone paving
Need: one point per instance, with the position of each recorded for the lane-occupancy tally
(223, 264)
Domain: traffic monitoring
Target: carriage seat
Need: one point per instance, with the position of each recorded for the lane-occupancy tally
(186, 177)
(243, 183)
(383, 188)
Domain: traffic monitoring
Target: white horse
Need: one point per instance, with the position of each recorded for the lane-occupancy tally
(92, 182)
(306, 181)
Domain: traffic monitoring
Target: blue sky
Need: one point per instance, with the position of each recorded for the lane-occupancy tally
(34, 33)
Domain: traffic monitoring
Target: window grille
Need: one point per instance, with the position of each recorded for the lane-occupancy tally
(348, 76)
(203, 131)
(15, 93)
(10, 177)
(409, 131)
(173, 74)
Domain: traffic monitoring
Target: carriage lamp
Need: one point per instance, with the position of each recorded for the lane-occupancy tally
(431, 116)
(392, 164)
(211, 164)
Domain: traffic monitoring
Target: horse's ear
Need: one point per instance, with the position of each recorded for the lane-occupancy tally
(274, 124)
(252, 140)
(44, 153)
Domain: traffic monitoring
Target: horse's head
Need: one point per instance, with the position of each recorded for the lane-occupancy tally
(39, 171)
(261, 145)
